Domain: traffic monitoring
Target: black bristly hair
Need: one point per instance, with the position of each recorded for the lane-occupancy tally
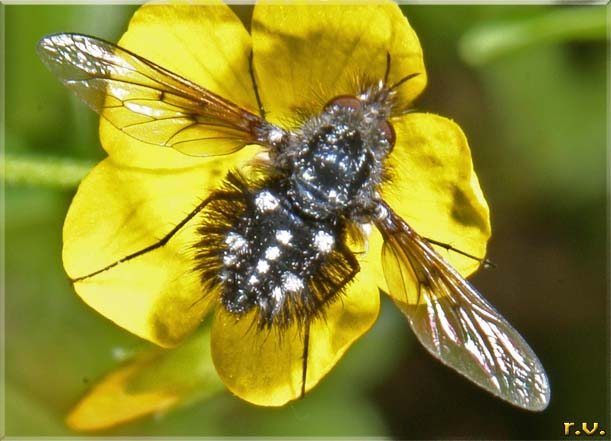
(234, 259)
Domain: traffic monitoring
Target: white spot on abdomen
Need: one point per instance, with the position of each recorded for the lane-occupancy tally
(265, 201)
(272, 253)
(291, 282)
(262, 266)
(323, 241)
(235, 242)
(284, 236)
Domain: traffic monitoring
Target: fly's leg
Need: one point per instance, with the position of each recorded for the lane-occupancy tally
(251, 70)
(161, 242)
(355, 268)
(483, 261)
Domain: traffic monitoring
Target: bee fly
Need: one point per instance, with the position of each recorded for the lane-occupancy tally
(277, 244)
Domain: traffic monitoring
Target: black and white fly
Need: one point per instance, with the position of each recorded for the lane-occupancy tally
(277, 243)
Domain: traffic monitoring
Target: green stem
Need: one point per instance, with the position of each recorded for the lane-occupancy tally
(487, 42)
(43, 172)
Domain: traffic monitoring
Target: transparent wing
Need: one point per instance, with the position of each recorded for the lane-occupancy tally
(455, 323)
(146, 101)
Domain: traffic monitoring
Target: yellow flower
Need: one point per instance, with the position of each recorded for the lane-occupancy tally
(153, 381)
(302, 57)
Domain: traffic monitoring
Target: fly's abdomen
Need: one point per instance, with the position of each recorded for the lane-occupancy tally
(267, 257)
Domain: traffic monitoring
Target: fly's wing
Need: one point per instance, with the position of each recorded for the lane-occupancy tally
(146, 101)
(455, 323)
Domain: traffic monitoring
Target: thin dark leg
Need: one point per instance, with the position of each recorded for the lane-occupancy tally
(304, 359)
(403, 80)
(486, 263)
(255, 87)
(164, 240)
(387, 68)
(354, 264)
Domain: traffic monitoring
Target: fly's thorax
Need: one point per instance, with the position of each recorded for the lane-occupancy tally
(335, 162)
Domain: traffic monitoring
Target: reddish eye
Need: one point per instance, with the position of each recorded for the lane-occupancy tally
(388, 131)
(349, 101)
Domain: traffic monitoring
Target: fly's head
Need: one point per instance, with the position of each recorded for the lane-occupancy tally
(335, 161)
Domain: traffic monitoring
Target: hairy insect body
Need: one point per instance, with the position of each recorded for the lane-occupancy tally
(274, 243)
(284, 251)
(335, 163)
(260, 253)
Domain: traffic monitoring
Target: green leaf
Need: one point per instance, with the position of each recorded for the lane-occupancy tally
(43, 172)
(487, 42)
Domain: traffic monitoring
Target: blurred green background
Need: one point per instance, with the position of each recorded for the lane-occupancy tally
(529, 86)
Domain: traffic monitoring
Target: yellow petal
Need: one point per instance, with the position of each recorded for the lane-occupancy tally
(304, 54)
(206, 44)
(265, 367)
(435, 189)
(120, 210)
(152, 382)
(110, 402)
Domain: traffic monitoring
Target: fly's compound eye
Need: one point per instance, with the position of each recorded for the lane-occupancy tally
(388, 132)
(348, 101)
